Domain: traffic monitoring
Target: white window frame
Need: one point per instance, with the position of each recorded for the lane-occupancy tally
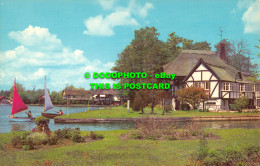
(226, 86)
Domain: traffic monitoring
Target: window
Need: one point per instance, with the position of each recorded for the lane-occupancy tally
(226, 86)
(248, 87)
(257, 88)
(196, 84)
(206, 85)
(242, 87)
(211, 103)
(234, 86)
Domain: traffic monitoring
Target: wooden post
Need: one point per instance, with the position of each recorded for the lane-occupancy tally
(128, 105)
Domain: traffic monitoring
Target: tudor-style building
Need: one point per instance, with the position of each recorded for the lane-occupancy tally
(223, 83)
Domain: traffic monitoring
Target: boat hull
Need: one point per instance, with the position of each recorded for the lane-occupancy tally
(21, 119)
(49, 115)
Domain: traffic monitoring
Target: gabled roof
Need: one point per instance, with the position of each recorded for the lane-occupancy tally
(106, 92)
(196, 66)
(187, 60)
(76, 92)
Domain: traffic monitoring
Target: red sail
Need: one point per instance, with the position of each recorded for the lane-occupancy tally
(18, 104)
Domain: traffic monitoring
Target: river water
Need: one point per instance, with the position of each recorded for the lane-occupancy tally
(8, 126)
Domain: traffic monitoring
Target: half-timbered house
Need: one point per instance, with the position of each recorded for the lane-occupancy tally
(222, 82)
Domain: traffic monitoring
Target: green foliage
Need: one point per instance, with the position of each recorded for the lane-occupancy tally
(95, 136)
(113, 149)
(53, 139)
(68, 133)
(141, 100)
(203, 148)
(39, 138)
(230, 155)
(154, 129)
(240, 103)
(124, 105)
(40, 119)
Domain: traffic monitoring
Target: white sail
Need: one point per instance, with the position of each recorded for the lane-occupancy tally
(48, 104)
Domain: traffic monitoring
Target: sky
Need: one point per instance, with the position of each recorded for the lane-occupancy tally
(63, 39)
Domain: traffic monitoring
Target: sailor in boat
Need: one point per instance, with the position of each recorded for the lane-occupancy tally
(60, 112)
(29, 114)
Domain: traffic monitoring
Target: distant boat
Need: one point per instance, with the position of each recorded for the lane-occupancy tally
(18, 106)
(47, 103)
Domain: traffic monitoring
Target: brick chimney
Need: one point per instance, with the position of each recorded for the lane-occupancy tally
(222, 53)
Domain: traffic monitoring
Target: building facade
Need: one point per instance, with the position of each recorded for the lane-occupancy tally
(222, 82)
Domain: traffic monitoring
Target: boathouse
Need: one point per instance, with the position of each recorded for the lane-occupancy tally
(76, 95)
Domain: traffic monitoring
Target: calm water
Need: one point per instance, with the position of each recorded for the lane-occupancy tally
(8, 126)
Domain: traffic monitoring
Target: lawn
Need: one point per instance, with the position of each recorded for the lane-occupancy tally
(122, 112)
(114, 151)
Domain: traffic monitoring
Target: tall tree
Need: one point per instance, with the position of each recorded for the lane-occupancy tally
(144, 54)
(189, 45)
(238, 55)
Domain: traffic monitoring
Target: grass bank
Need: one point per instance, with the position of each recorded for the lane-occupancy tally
(114, 151)
(122, 112)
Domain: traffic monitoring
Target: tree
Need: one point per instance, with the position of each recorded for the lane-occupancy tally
(189, 45)
(191, 95)
(141, 100)
(238, 55)
(161, 96)
(57, 97)
(240, 103)
(144, 54)
(20, 90)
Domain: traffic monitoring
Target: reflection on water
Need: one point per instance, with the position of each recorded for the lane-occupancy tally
(8, 126)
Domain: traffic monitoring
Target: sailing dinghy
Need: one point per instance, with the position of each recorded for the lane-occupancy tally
(47, 103)
(18, 106)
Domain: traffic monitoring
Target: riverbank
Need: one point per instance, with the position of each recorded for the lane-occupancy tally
(113, 150)
(185, 119)
(73, 105)
(120, 114)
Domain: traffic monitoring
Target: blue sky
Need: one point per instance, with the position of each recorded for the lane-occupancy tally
(65, 39)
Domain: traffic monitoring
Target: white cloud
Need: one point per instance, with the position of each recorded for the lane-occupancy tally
(37, 38)
(29, 62)
(139, 10)
(104, 25)
(107, 4)
(251, 18)
(40, 73)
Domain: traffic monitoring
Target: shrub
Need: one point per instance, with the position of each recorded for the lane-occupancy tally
(68, 133)
(53, 139)
(40, 119)
(75, 135)
(152, 128)
(18, 140)
(240, 103)
(230, 155)
(39, 138)
(124, 105)
(136, 134)
(95, 136)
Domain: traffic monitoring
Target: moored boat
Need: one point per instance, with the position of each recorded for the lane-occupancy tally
(47, 103)
(18, 106)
